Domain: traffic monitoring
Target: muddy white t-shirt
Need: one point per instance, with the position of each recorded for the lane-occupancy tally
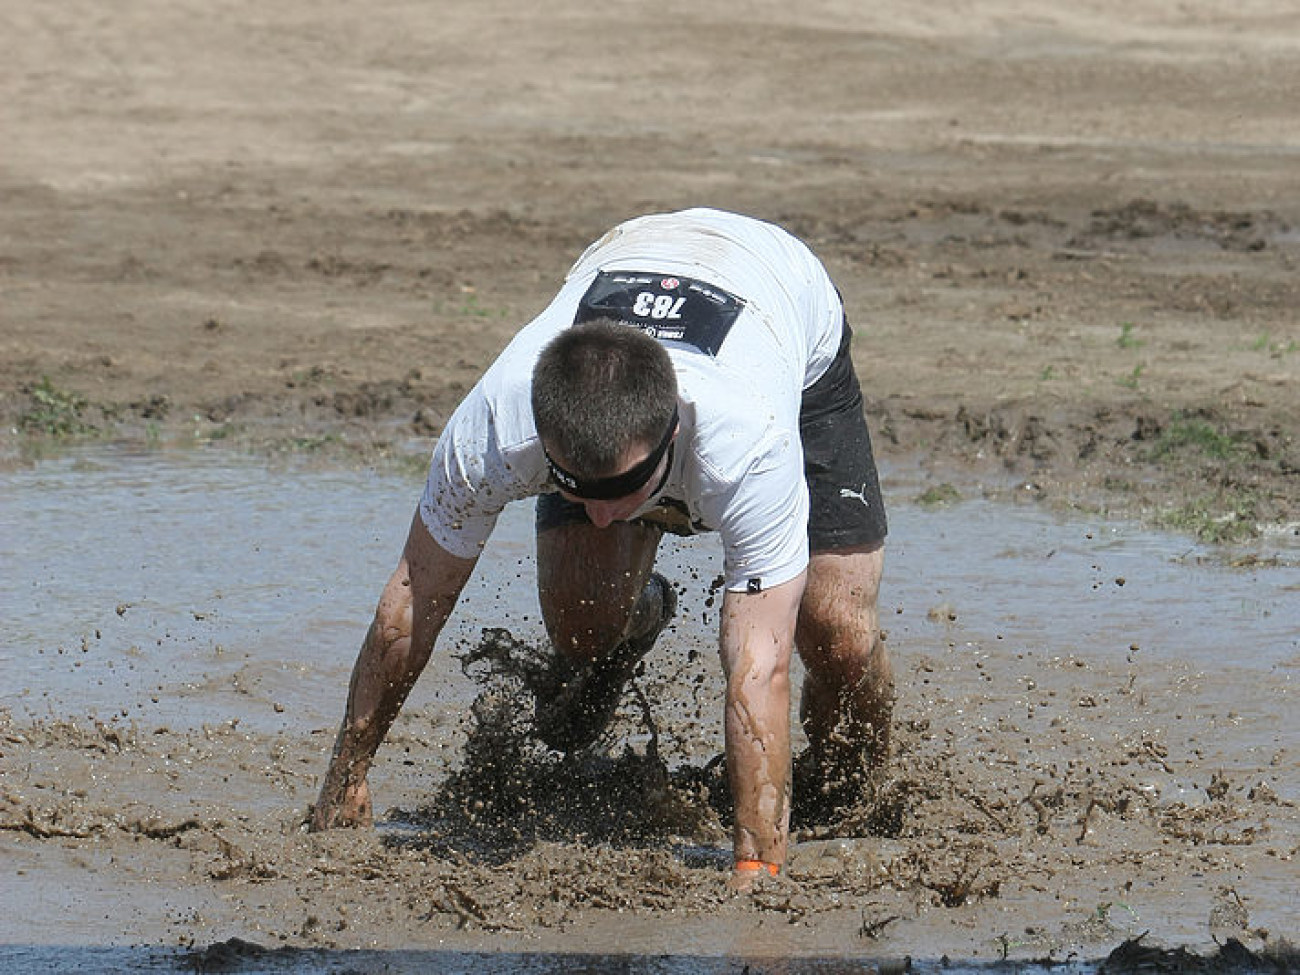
(763, 323)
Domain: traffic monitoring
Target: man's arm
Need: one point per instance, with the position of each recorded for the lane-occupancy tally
(414, 606)
(757, 642)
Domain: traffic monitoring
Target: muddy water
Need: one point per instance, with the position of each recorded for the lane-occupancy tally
(258, 580)
(195, 593)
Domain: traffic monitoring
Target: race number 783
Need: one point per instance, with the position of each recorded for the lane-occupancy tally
(656, 306)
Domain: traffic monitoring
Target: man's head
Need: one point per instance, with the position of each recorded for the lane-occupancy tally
(604, 400)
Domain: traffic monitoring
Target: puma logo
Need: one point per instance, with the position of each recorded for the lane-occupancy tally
(860, 494)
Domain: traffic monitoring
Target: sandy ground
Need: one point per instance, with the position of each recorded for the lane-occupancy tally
(1067, 234)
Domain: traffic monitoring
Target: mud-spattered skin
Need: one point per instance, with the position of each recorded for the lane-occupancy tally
(1066, 236)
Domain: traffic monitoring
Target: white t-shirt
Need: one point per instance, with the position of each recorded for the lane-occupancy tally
(738, 461)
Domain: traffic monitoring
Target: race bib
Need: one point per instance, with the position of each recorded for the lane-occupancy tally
(665, 307)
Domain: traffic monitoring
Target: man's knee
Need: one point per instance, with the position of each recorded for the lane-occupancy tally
(584, 618)
(588, 584)
(838, 637)
(838, 612)
(582, 632)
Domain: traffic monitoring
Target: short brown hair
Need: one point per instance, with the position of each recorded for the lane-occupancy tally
(598, 389)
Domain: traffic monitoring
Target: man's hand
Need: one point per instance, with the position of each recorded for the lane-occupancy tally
(351, 807)
(747, 873)
(742, 881)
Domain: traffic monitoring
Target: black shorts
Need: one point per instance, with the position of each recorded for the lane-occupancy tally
(845, 508)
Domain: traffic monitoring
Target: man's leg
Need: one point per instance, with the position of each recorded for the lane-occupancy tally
(848, 691)
(603, 609)
(847, 701)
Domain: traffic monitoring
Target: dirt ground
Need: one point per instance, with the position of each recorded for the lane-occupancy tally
(1067, 235)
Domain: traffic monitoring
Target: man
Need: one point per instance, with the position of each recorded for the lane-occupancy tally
(692, 374)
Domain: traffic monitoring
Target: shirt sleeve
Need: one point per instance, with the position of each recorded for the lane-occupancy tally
(764, 523)
(472, 477)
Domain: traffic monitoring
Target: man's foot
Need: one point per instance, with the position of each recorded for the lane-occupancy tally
(583, 697)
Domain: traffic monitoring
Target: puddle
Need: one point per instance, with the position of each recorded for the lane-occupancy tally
(193, 589)
(252, 959)
(201, 587)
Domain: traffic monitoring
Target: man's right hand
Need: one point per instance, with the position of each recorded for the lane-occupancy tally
(350, 808)
(414, 606)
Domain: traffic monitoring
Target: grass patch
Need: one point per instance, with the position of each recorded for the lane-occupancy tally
(1265, 343)
(322, 443)
(1216, 520)
(222, 431)
(939, 494)
(415, 466)
(468, 305)
(1185, 434)
(1131, 380)
(1118, 485)
(1127, 340)
(54, 412)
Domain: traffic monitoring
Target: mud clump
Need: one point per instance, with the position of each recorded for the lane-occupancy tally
(1143, 219)
(235, 955)
(1133, 957)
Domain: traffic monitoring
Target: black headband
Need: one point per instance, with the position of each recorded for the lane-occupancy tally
(618, 485)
